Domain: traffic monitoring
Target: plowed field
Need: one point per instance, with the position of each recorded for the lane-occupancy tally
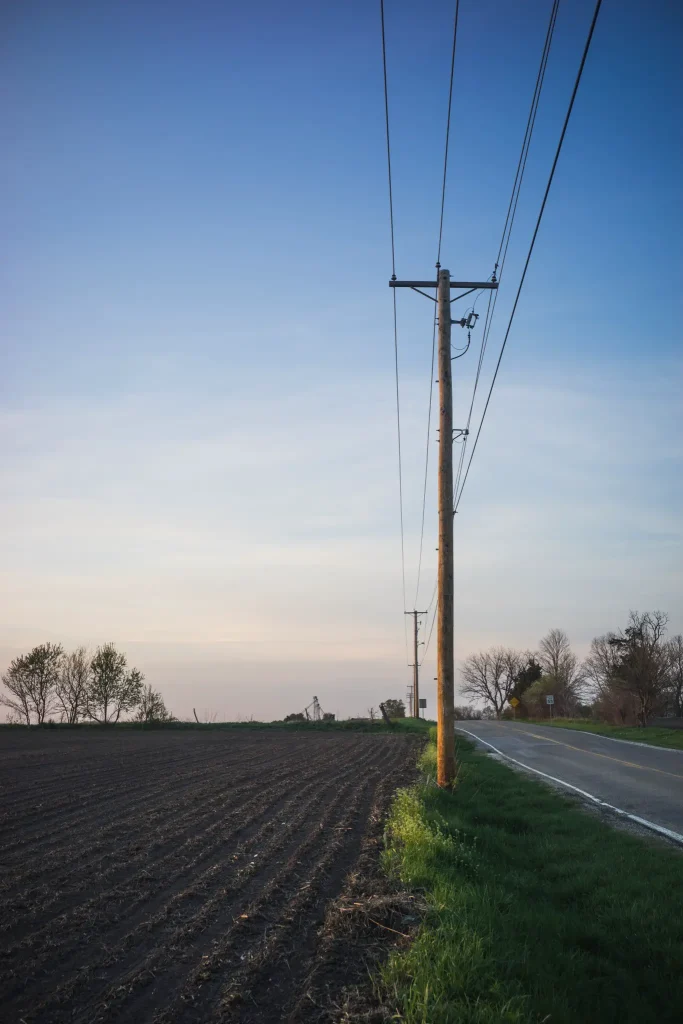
(177, 877)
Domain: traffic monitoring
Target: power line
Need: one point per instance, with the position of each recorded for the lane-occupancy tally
(507, 227)
(386, 119)
(438, 257)
(448, 127)
(429, 430)
(535, 234)
(393, 272)
(429, 638)
(531, 120)
(400, 465)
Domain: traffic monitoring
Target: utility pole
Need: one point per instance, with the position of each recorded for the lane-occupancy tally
(415, 703)
(445, 652)
(445, 696)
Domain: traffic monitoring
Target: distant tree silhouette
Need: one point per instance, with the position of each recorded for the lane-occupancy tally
(31, 681)
(395, 708)
(112, 688)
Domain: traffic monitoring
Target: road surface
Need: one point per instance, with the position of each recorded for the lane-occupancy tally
(642, 780)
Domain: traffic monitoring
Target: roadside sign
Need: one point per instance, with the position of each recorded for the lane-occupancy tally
(549, 699)
(422, 701)
(514, 703)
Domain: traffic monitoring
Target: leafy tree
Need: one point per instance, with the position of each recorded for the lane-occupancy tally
(297, 716)
(527, 675)
(71, 688)
(535, 704)
(112, 688)
(31, 683)
(151, 707)
(17, 698)
(395, 708)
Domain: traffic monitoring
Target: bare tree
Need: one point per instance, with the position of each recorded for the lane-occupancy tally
(372, 714)
(674, 650)
(643, 664)
(151, 707)
(631, 669)
(566, 675)
(112, 688)
(600, 669)
(490, 677)
(72, 685)
(31, 683)
(466, 713)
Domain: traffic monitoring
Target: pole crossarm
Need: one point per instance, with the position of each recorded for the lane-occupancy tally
(472, 285)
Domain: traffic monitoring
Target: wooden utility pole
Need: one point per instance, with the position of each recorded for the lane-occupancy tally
(445, 653)
(415, 703)
(445, 667)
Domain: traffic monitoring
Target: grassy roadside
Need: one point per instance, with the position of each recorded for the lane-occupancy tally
(539, 911)
(655, 736)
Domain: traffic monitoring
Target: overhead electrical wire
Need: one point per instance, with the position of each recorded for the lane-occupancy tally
(533, 240)
(507, 228)
(424, 489)
(448, 128)
(503, 248)
(386, 121)
(393, 272)
(429, 638)
(438, 257)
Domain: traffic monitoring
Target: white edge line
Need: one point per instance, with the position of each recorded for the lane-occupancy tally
(675, 836)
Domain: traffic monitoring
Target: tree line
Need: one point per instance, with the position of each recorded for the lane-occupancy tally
(629, 676)
(76, 687)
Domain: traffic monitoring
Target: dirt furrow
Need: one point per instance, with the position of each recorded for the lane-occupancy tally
(189, 911)
(135, 897)
(125, 842)
(263, 888)
(72, 811)
(200, 861)
(28, 904)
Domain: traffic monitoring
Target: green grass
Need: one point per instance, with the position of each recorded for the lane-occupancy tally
(538, 910)
(656, 736)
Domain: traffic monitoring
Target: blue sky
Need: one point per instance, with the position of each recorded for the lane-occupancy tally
(199, 456)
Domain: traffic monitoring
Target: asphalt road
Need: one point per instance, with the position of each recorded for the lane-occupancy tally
(642, 780)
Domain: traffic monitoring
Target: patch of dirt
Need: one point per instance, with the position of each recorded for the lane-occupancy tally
(172, 878)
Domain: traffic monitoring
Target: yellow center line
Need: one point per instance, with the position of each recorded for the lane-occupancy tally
(582, 750)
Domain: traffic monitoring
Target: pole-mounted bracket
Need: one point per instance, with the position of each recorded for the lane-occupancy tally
(460, 432)
(467, 321)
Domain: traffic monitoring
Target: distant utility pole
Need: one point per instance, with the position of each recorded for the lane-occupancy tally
(415, 703)
(445, 655)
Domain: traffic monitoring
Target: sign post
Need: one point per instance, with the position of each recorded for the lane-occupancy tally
(514, 704)
(550, 700)
(423, 703)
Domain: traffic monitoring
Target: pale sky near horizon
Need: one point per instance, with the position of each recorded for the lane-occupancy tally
(197, 404)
